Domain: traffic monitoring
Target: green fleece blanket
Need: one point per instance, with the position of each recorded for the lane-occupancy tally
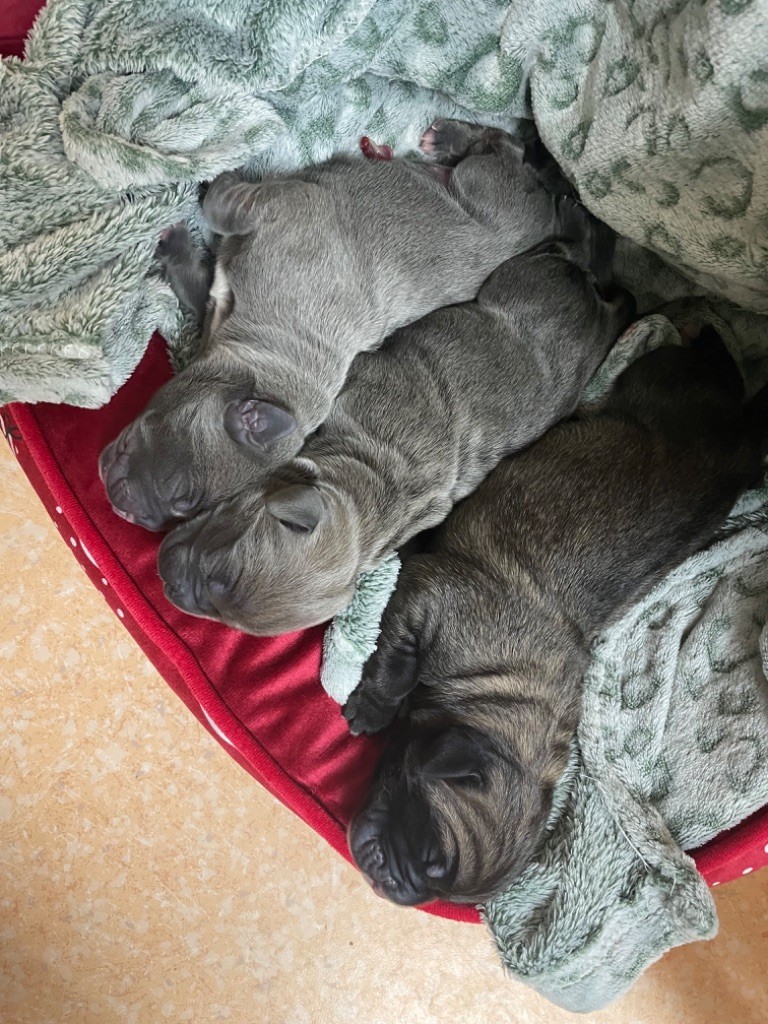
(658, 111)
(672, 749)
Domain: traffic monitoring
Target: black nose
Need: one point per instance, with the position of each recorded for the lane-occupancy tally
(122, 485)
(185, 583)
(387, 865)
(174, 567)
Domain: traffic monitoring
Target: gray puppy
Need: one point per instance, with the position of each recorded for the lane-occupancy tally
(418, 426)
(310, 270)
(487, 636)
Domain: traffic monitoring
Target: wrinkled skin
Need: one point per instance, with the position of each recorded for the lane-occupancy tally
(485, 641)
(417, 427)
(309, 270)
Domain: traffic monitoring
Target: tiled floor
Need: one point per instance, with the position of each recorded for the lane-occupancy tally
(144, 877)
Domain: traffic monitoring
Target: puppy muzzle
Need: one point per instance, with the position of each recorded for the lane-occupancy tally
(117, 471)
(183, 582)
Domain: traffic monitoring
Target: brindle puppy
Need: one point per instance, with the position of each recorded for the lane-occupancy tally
(488, 635)
(418, 426)
(310, 270)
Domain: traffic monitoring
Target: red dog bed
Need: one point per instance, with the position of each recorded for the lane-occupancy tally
(261, 698)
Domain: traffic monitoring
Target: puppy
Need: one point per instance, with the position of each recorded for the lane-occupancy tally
(418, 426)
(488, 635)
(310, 270)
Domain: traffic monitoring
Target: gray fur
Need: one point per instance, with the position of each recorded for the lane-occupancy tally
(418, 426)
(486, 638)
(310, 270)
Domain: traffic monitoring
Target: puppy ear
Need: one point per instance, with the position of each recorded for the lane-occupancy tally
(253, 421)
(456, 754)
(300, 507)
(233, 206)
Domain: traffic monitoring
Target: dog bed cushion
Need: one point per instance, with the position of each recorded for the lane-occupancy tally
(260, 698)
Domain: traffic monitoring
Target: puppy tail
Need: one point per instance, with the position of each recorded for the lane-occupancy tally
(587, 241)
(547, 169)
(591, 245)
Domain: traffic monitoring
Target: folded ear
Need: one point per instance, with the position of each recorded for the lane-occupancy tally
(233, 206)
(299, 507)
(455, 754)
(256, 422)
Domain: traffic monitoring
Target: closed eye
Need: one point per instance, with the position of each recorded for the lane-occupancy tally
(181, 509)
(294, 527)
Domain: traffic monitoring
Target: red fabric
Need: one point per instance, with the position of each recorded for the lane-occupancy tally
(260, 698)
(16, 17)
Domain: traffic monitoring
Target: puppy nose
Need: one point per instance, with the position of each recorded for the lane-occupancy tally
(173, 567)
(380, 867)
(184, 584)
(122, 487)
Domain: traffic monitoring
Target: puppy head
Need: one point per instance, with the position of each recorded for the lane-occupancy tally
(203, 437)
(271, 562)
(450, 815)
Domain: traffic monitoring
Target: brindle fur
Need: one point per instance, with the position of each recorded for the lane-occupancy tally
(486, 638)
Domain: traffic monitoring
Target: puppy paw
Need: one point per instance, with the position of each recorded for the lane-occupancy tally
(174, 241)
(443, 140)
(449, 141)
(364, 716)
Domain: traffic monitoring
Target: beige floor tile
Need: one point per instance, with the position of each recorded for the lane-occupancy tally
(144, 877)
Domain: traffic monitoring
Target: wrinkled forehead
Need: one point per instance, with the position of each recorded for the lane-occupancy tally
(186, 401)
(238, 529)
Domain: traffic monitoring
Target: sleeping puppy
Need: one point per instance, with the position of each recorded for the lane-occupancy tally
(418, 426)
(311, 269)
(487, 637)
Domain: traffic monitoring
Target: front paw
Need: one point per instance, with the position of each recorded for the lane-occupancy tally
(365, 716)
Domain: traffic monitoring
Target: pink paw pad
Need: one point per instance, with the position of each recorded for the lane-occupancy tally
(373, 151)
(427, 141)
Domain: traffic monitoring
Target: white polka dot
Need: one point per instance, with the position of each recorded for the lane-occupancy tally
(73, 542)
(120, 613)
(714, 884)
(88, 555)
(104, 581)
(766, 847)
(58, 509)
(216, 729)
(746, 871)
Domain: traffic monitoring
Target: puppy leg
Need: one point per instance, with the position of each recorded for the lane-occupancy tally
(391, 672)
(188, 267)
(493, 180)
(235, 206)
